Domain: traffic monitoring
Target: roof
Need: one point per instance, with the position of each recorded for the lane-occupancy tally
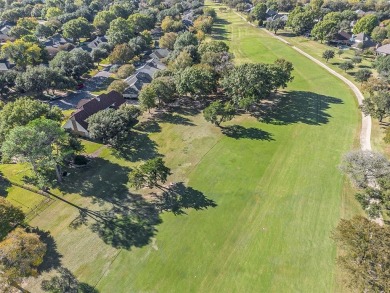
(270, 12)
(160, 53)
(5, 29)
(384, 49)
(343, 36)
(94, 43)
(87, 108)
(365, 39)
(3, 66)
(55, 41)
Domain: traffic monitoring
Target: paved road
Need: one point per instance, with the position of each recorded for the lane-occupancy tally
(365, 134)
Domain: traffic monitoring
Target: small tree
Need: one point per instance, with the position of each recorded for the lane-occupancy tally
(147, 97)
(125, 71)
(118, 85)
(378, 106)
(357, 60)
(217, 112)
(150, 174)
(362, 75)
(328, 54)
(348, 65)
(121, 54)
(340, 52)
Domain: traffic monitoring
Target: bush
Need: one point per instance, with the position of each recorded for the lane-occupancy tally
(125, 71)
(118, 85)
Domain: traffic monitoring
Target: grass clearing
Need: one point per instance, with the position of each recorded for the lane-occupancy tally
(276, 185)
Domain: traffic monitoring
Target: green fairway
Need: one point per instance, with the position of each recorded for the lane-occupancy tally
(276, 185)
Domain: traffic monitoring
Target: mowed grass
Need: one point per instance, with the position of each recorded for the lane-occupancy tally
(277, 187)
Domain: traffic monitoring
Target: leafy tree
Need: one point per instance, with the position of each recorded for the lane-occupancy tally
(217, 112)
(302, 22)
(150, 174)
(362, 75)
(259, 11)
(196, 81)
(378, 106)
(98, 54)
(29, 23)
(204, 24)
(110, 125)
(168, 40)
(182, 61)
(53, 12)
(7, 82)
(125, 71)
(23, 111)
(382, 64)
(347, 65)
(365, 247)
(118, 85)
(379, 34)
(373, 85)
(64, 282)
(102, 21)
(165, 88)
(120, 32)
(42, 143)
(170, 25)
(340, 52)
(72, 64)
(45, 31)
(356, 59)
(22, 53)
(324, 30)
(141, 22)
(366, 24)
(275, 25)
(10, 216)
(185, 39)
(77, 28)
(147, 97)
(208, 11)
(213, 46)
(20, 254)
(121, 54)
(364, 166)
(328, 54)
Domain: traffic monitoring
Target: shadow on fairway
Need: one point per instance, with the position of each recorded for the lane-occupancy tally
(149, 126)
(219, 31)
(298, 106)
(173, 119)
(240, 132)
(4, 185)
(178, 197)
(137, 146)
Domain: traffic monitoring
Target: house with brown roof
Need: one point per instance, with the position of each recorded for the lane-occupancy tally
(86, 108)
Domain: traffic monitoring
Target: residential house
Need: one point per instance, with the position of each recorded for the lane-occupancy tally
(86, 108)
(89, 46)
(3, 67)
(342, 38)
(383, 50)
(55, 43)
(4, 34)
(270, 13)
(362, 41)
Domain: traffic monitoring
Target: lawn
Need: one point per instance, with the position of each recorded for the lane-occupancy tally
(276, 186)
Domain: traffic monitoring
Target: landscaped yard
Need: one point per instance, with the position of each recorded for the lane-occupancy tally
(276, 186)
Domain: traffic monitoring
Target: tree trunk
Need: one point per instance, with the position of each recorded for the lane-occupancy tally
(58, 173)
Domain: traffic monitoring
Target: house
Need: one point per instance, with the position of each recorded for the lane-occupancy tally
(156, 33)
(86, 108)
(94, 43)
(362, 41)
(3, 67)
(54, 44)
(342, 37)
(383, 50)
(4, 34)
(270, 13)
(360, 13)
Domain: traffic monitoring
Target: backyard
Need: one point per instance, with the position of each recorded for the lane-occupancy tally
(263, 195)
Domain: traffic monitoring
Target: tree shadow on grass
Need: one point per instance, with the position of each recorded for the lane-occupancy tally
(173, 119)
(136, 146)
(149, 126)
(100, 179)
(219, 29)
(240, 132)
(4, 185)
(297, 106)
(178, 197)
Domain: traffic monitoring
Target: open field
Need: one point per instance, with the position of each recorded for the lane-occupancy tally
(276, 186)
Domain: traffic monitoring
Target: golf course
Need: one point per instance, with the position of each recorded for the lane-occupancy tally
(271, 187)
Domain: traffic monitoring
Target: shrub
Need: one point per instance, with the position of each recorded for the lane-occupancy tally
(125, 71)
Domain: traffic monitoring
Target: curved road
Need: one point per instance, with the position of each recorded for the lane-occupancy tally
(365, 134)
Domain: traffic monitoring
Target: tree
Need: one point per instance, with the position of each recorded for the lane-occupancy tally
(347, 65)
(170, 25)
(324, 30)
(10, 217)
(365, 247)
(23, 111)
(7, 82)
(373, 85)
(259, 11)
(364, 166)
(141, 22)
(22, 53)
(72, 64)
(102, 21)
(98, 54)
(53, 12)
(378, 106)
(165, 89)
(77, 28)
(382, 64)
(366, 24)
(356, 59)
(125, 71)
(20, 254)
(204, 24)
(196, 81)
(328, 54)
(150, 174)
(45, 31)
(64, 282)
(340, 52)
(118, 85)
(182, 61)
(110, 125)
(217, 112)
(379, 34)
(42, 143)
(121, 54)
(302, 22)
(275, 25)
(147, 97)
(362, 75)
(185, 39)
(120, 32)
(168, 40)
